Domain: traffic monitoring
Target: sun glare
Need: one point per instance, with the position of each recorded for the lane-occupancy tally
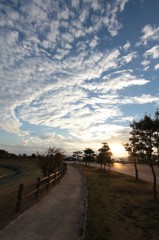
(118, 150)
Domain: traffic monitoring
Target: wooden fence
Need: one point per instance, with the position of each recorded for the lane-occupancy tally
(33, 189)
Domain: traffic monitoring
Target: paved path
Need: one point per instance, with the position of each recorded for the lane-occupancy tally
(59, 216)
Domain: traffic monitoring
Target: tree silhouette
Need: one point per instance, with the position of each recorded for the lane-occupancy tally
(50, 160)
(144, 145)
(147, 130)
(156, 136)
(132, 148)
(3, 154)
(77, 155)
(104, 157)
(89, 156)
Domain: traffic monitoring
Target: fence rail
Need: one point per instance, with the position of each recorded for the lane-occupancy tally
(34, 188)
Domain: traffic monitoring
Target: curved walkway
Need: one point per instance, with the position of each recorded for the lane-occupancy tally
(59, 216)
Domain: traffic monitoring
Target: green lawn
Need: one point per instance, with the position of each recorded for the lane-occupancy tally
(119, 207)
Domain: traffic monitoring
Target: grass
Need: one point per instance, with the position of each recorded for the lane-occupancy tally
(7, 204)
(119, 207)
(5, 171)
(30, 173)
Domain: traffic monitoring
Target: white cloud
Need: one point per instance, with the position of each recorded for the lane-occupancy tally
(89, 30)
(150, 33)
(67, 37)
(68, 46)
(95, 5)
(145, 62)
(122, 4)
(75, 3)
(119, 80)
(93, 43)
(63, 14)
(112, 10)
(110, 18)
(109, 60)
(142, 99)
(124, 81)
(12, 38)
(126, 46)
(84, 15)
(129, 57)
(146, 68)
(152, 52)
(125, 119)
(156, 67)
(146, 98)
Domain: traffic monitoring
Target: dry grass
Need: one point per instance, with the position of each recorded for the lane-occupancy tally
(5, 171)
(8, 203)
(119, 207)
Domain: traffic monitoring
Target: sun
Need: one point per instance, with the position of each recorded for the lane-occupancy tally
(118, 150)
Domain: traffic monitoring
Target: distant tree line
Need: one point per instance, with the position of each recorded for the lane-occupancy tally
(6, 155)
(104, 157)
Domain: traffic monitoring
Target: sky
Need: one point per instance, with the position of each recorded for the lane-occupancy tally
(75, 73)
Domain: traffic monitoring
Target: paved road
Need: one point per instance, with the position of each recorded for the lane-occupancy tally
(59, 216)
(144, 170)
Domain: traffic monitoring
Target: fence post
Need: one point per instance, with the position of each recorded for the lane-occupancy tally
(61, 173)
(58, 176)
(55, 178)
(37, 188)
(19, 197)
(48, 182)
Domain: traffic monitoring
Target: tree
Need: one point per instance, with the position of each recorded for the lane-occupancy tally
(132, 148)
(156, 136)
(147, 129)
(25, 155)
(104, 157)
(89, 156)
(50, 160)
(147, 143)
(77, 155)
(33, 155)
(3, 154)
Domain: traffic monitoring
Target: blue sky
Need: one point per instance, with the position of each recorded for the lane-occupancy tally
(75, 73)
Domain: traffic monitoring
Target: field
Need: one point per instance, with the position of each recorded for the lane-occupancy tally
(9, 188)
(119, 207)
(5, 171)
(30, 172)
